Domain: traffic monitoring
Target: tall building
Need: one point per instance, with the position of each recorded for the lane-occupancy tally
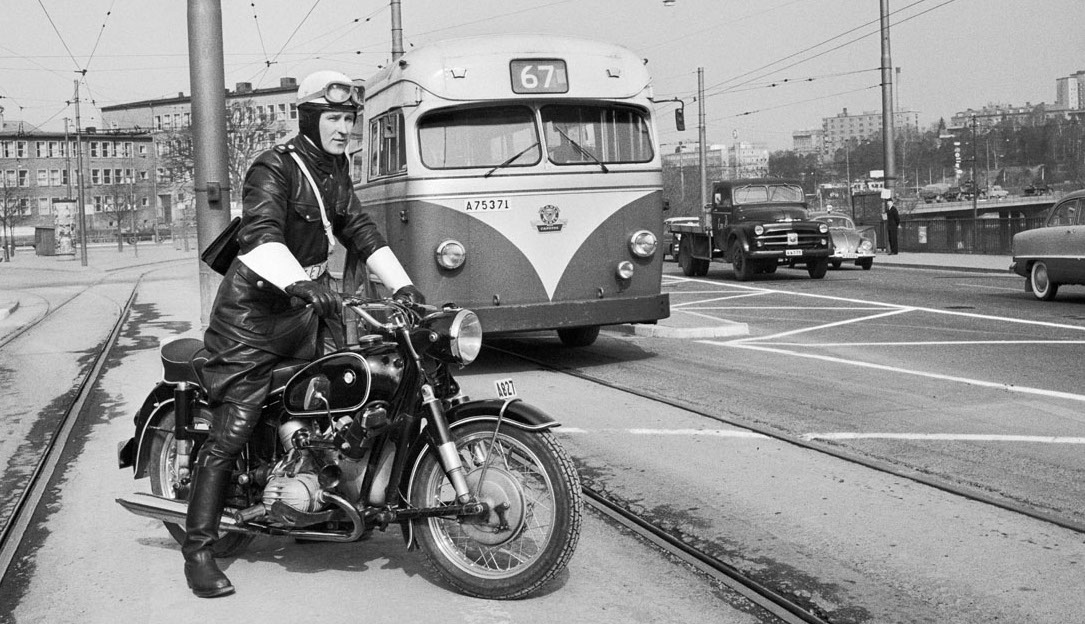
(39, 170)
(845, 127)
(810, 141)
(1070, 91)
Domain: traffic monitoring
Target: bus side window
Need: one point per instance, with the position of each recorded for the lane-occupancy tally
(387, 153)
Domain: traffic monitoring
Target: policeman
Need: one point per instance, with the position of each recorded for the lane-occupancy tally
(269, 301)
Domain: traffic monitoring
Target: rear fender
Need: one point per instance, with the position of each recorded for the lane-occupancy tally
(136, 452)
(511, 412)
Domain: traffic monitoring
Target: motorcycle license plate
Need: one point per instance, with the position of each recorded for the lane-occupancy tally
(793, 252)
(506, 389)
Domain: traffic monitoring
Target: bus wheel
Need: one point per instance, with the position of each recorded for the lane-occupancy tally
(578, 336)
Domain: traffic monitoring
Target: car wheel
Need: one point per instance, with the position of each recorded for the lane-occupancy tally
(836, 263)
(1042, 286)
(743, 267)
(866, 263)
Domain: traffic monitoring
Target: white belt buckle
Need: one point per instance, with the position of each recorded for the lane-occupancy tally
(316, 270)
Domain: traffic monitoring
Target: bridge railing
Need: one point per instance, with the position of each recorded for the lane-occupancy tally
(975, 236)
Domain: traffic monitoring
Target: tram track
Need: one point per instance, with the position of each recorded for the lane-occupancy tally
(15, 526)
(780, 604)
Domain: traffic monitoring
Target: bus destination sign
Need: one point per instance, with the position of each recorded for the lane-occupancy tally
(539, 76)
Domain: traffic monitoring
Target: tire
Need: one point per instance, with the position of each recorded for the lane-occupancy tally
(836, 263)
(691, 267)
(1042, 286)
(166, 482)
(866, 263)
(818, 268)
(579, 336)
(769, 268)
(743, 267)
(535, 476)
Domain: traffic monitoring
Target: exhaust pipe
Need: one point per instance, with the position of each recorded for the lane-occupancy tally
(171, 510)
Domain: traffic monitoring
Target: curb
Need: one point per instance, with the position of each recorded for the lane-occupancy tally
(931, 267)
(8, 308)
(664, 331)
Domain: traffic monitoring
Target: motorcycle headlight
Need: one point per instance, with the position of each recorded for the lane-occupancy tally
(643, 244)
(459, 336)
(451, 254)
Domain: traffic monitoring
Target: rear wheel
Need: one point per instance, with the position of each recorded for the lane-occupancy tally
(836, 263)
(866, 263)
(579, 336)
(532, 489)
(742, 265)
(691, 267)
(818, 268)
(170, 480)
(1042, 286)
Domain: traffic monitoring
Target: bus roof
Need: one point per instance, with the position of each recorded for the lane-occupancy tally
(478, 68)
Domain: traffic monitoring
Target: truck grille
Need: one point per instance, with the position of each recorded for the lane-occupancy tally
(779, 240)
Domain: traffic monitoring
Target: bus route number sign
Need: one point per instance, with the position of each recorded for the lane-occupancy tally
(539, 76)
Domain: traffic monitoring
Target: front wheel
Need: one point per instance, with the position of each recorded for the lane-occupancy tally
(579, 336)
(170, 480)
(533, 493)
(1042, 286)
(818, 268)
(866, 263)
(742, 265)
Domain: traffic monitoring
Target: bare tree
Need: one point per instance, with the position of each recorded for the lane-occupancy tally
(13, 209)
(247, 135)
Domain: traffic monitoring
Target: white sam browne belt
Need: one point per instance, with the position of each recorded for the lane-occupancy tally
(316, 270)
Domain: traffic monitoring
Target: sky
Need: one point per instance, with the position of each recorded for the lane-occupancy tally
(770, 66)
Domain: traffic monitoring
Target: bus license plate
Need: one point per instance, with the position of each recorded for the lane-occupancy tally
(506, 389)
(793, 252)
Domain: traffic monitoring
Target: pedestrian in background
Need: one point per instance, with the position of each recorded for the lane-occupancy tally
(892, 222)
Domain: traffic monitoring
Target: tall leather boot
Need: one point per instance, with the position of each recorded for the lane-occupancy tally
(202, 529)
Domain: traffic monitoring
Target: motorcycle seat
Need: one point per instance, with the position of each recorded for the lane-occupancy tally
(183, 360)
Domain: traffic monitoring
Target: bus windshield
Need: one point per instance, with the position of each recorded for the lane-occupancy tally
(479, 137)
(578, 134)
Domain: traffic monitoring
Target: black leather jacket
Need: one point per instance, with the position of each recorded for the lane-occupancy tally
(280, 206)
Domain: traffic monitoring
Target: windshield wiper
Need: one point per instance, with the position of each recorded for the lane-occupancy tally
(580, 148)
(513, 159)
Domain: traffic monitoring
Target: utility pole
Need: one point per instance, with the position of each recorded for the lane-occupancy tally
(888, 147)
(207, 76)
(79, 176)
(703, 150)
(397, 30)
(975, 190)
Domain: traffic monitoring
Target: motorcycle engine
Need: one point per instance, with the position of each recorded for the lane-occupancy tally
(298, 491)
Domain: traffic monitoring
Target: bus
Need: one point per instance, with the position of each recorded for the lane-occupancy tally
(520, 176)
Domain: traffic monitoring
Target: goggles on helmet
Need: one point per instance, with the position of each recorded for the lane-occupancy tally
(336, 93)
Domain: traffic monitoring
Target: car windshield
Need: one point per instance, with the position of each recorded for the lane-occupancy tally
(496, 136)
(767, 193)
(837, 222)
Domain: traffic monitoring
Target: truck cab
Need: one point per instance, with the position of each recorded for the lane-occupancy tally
(756, 224)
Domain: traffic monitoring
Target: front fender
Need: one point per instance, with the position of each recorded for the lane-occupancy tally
(511, 412)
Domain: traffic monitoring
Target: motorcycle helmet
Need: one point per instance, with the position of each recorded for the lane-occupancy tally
(321, 91)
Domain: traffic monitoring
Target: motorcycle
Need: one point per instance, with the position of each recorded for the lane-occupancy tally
(374, 433)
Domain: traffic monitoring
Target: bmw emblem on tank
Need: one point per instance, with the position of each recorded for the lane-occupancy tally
(548, 219)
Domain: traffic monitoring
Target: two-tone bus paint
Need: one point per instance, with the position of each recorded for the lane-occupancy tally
(520, 177)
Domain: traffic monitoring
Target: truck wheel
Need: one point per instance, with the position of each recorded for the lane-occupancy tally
(818, 268)
(691, 267)
(743, 267)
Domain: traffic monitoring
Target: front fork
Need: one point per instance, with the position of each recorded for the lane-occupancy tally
(446, 447)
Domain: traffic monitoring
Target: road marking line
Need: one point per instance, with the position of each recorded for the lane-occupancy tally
(708, 316)
(688, 303)
(775, 307)
(895, 369)
(804, 330)
(925, 344)
(718, 433)
(950, 437)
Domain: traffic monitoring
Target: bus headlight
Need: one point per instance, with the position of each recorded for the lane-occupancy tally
(643, 244)
(625, 270)
(451, 254)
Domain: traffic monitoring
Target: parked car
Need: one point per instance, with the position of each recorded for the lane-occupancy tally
(1053, 255)
(670, 239)
(1036, 188)
(849, 245)
(997, 192)
(952, 194)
